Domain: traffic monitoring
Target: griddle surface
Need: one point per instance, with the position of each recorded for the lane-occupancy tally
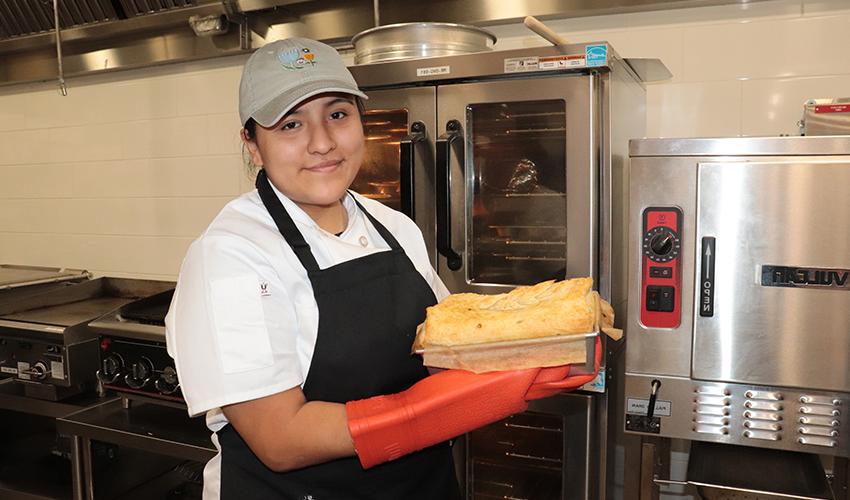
(70, 314)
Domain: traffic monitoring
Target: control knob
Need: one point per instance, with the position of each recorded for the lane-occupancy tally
(140, 373)
(167, 382)
(661, 244)
(39, 370)
(110, 368)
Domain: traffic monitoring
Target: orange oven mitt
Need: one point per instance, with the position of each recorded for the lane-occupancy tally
(448, 404)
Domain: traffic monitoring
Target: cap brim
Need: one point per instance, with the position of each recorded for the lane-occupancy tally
(271, 112)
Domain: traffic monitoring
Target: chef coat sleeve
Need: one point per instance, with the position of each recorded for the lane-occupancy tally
(231, 328)
(440, 290)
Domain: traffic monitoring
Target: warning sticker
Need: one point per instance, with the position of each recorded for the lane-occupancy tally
(832, 108)
(9, 369)
(561, 62)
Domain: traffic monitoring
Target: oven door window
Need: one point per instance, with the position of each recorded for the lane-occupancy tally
(516, 181)
(379, 173)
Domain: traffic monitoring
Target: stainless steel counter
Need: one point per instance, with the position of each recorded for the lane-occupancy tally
(144, 426)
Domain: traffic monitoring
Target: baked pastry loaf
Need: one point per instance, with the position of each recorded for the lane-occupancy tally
(543, 310)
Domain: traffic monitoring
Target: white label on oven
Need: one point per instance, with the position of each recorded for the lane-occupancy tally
(57, 370)
(9, 369)
(435, 70)
(521, 64)
(22, 367)
(639, 406)
(561, 62)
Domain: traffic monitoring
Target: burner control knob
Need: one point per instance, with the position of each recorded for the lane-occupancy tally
(140, 373)
(39, 370)
(110, 368)
(167, 382)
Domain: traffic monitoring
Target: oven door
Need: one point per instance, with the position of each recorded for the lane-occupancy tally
(774, 257)
(544, 453)
(516, 182)
(398, 165)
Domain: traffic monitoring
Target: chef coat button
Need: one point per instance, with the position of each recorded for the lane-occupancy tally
(363, 241)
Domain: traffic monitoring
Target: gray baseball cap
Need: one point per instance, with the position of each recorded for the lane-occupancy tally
(281, 74)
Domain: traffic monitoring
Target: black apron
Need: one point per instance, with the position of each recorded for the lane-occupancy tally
(368, 312)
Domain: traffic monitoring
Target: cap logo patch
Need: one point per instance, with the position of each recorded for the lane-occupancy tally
(295, 59)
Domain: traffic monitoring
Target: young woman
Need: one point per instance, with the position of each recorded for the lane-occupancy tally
(295, 311)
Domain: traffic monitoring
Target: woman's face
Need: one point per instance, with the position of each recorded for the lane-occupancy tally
(314, 152)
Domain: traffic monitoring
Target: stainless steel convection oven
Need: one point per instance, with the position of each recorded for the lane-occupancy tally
(739, 318)
(513, 165)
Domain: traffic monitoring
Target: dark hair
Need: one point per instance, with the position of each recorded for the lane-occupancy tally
(251, 125)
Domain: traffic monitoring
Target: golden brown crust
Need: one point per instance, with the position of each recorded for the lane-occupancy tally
(546, 309)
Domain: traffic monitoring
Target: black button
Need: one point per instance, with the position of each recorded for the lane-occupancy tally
(660, 272)
(660, 298)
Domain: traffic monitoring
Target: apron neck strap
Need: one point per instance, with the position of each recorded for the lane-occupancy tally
(284, 223)
(383, 231)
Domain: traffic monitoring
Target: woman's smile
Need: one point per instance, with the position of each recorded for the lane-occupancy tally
(325, 167)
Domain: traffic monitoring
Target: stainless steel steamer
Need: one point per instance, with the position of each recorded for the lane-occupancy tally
(513, 165)
(739, 286)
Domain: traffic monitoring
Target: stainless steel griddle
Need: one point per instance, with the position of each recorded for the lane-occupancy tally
(44, 342)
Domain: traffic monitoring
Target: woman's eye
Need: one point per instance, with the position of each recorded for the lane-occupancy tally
(290, 126)
(338, 115)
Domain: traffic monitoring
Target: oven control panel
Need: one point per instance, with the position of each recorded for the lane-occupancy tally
(661, 276)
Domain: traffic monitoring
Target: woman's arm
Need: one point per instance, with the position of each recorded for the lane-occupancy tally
(286, 432)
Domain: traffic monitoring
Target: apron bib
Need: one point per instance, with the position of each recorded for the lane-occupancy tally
(368, 312)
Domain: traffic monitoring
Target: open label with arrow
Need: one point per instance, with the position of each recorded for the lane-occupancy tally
(706, 292)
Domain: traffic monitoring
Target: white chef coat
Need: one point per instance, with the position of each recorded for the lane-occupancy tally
(243, 321)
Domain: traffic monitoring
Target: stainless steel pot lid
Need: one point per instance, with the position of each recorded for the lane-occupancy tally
(414, 40)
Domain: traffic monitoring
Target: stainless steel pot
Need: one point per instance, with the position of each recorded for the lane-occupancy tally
(411, 40)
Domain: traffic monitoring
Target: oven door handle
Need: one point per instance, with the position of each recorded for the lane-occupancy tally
(445, 142)
(407, 164)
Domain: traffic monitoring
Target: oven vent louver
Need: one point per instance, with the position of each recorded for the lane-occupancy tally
(20, 18)
(711, 410)
(144, 7)
(763, 415)
(30, 17)
(819, 421)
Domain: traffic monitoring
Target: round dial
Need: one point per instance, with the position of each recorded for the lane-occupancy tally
(110, 368)
(140, 373)
(167, 381)
(661, 244)
(39, 370)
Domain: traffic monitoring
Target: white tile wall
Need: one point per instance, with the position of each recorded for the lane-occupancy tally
(772, 106)
(697, 109)
(119, 176)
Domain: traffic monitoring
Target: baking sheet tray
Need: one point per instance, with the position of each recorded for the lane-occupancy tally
(515, 354)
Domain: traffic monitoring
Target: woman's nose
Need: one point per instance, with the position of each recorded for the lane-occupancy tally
(321, 141)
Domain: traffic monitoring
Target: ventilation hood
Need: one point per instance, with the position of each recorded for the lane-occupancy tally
(108, 35)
